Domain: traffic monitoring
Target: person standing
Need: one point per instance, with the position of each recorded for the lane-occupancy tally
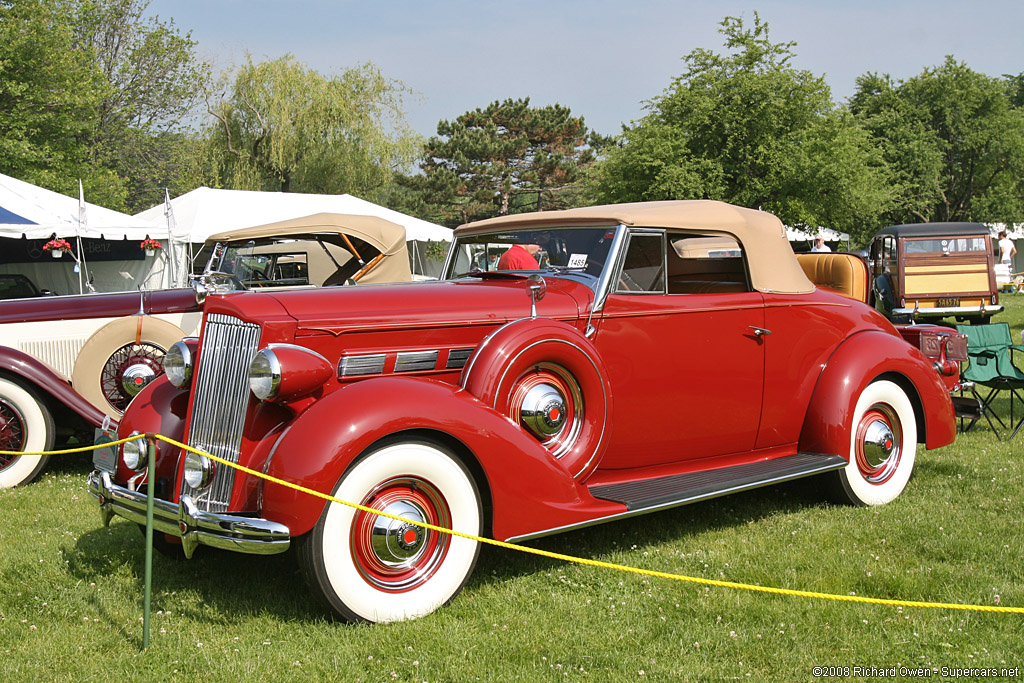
(1007, 249)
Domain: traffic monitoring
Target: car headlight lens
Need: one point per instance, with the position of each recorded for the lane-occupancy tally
(178, 364)
(198, 470)
(133, 453)
(265, 375)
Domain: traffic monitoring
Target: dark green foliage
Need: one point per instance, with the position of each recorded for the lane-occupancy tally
(50, 91)
(506, 158)
(90, 90)
(750, 129)
(953, 139)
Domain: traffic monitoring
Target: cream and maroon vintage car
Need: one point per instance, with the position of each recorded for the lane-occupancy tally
(69, 362)
(644, 356)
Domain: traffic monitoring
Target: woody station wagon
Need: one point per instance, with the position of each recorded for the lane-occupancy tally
(648, 355)
(930, 271)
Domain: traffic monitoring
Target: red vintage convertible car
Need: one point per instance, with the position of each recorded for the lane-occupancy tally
(637, 357)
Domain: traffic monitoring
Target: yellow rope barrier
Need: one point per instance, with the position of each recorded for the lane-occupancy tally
(561, 556)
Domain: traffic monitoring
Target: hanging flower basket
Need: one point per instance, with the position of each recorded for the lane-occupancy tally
(151, 246)
(57, 247)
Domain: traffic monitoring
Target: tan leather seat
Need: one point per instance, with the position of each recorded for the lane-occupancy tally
(845, 274)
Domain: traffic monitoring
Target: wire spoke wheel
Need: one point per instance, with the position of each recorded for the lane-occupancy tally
(12, 433)
(128, 370)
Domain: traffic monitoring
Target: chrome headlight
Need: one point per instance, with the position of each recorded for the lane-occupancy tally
(178, 364)
(265, 375)
(134, 453)
(198, 470)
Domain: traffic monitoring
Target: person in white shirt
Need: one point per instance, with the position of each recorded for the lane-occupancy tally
(819, 244)
(1007, 249)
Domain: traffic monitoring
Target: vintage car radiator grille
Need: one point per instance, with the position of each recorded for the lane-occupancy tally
(219, 398)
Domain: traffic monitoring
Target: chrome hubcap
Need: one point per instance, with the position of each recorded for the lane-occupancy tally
(396, 543)
(136, 377)
(878, 445)
(543, 410)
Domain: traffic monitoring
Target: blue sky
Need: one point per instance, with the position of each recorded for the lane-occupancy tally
(602, 59)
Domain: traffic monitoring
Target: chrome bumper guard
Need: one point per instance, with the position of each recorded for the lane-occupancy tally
(193, 526)
(949, 310)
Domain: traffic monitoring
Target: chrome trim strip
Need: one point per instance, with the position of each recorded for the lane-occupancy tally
(457, 358)
(615, 255)
(676, 503)
(195, 527)
(366, 364)
(416, 361)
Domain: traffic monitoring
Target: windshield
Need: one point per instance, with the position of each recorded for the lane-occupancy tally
(583, 250)
(318, 260)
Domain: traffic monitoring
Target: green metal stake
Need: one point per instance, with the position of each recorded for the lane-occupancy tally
(151, 452)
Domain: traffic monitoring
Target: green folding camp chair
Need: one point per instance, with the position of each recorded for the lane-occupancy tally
(989, 353)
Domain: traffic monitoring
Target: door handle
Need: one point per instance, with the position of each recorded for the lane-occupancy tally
(760, 331)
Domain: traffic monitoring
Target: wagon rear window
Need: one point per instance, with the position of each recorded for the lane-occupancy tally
(946, 245)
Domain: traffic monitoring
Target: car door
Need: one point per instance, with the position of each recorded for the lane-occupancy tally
(679, 332)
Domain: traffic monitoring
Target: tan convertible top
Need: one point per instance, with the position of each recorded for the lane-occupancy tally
(386, 237)
(773, 266)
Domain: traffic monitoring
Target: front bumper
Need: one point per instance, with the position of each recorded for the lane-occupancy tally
(193, 526)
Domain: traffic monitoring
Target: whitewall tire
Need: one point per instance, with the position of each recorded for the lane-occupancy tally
(25, 425)
(883, 447)
(373, 568)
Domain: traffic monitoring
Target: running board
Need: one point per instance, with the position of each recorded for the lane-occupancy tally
(691, 487)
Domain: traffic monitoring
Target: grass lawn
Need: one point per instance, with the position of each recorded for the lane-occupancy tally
(71, 591)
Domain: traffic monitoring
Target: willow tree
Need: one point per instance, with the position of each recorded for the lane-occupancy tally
(282, 126)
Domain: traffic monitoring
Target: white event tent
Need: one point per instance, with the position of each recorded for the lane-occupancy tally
(195, 215)
(106, 254)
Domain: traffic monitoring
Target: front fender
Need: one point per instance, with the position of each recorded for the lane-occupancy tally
(530, 491)
(38, 374)
(858, 361)
(160, 408)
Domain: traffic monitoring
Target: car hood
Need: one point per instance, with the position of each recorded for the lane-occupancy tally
(469, 301)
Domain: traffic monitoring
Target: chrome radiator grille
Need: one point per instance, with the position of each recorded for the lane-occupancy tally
(220, 395)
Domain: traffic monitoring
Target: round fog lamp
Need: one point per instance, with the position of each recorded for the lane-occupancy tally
(265, 375)
(178, 364)
(198, 470)
(134, 453)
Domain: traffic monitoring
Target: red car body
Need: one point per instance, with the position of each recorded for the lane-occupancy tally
(639, 368)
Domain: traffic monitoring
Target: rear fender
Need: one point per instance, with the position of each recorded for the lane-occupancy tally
(36, 374)
(529, 489)
(857, 362)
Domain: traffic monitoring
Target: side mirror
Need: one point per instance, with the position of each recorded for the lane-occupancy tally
(536, 289)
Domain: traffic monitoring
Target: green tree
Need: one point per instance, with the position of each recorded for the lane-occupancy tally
(748, 128)
(50, 90)
(288, 128)
(953, 139)
(505, 158)
(153, 83)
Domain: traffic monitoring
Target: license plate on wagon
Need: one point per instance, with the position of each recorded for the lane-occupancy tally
(949, 302)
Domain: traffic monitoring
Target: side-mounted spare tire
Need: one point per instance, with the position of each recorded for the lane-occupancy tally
(549, 379)
(120, 358)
